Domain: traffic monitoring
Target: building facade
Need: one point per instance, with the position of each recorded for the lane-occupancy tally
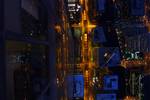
(29, 30)
(139, 42)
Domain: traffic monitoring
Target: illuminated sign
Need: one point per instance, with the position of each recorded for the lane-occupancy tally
(106, 97)
(74, 10)
(75, 86)
(73, 7)
(110, 82)
(134, 56)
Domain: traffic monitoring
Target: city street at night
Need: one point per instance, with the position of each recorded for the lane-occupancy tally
(74, 49)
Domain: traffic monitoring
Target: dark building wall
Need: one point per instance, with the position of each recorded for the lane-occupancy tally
(27, 4)
(52, 47)
(12, 15)
(52, 65)
(1, 15)
(110, 11)
(2, 55)
(120, 72)
(111, 36)
(12, 20)
(2, 67)
(146, 87)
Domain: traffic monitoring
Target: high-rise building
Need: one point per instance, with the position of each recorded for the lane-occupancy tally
(29, 37)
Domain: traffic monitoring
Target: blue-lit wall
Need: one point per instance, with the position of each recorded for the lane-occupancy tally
(99, 35)
(112, 60)
(75, 86)
(110, 82)
(101, 5)
(137, 7)
(106, 97)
